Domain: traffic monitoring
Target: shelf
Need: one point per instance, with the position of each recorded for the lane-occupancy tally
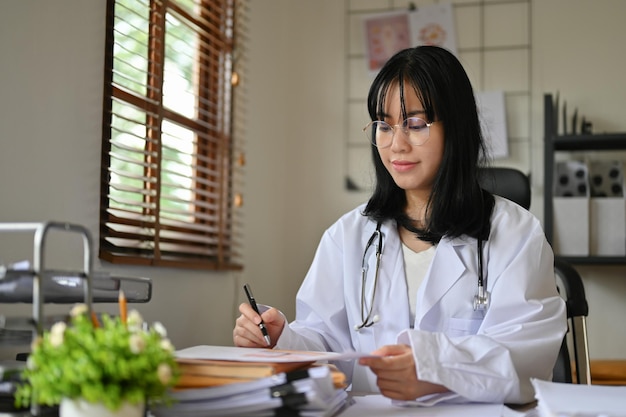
(594, 260)
(554, 143)
(605, 141)
(68, 287)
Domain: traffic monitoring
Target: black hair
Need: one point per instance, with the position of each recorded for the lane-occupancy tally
(457, 205)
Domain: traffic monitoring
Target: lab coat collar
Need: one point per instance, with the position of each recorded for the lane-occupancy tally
(448, 267)
(447, 264)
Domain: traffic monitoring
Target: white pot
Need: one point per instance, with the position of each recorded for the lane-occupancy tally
(81, 408)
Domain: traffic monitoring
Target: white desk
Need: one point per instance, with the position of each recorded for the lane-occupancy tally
(377, 406)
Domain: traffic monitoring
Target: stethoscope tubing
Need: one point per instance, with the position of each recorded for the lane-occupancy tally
(481, 299)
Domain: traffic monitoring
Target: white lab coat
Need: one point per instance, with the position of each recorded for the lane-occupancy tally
(485, 356)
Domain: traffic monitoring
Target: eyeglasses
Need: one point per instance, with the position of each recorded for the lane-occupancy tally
(380, 133)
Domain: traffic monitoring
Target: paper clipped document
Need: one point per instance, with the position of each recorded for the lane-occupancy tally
(555, 399)
(231, 353)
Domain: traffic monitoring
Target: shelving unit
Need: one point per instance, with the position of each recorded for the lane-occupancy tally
(553, 143)
(39, 285)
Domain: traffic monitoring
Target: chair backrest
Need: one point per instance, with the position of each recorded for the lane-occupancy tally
(514, 185)
(509, 183)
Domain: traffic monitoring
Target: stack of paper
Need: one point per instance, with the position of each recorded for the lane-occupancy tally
(232, 381)
(308, 392)
(210, 366)
(568, 400)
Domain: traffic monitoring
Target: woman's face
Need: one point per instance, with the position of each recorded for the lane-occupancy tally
(412, 167)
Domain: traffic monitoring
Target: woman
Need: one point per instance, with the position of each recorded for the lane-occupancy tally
(437, 335)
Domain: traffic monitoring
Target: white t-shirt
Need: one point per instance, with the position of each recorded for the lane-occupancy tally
(415, 267)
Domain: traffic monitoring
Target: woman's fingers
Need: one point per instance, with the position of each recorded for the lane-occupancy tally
(247, 332)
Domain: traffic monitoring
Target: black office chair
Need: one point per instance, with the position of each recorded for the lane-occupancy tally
(514, 185)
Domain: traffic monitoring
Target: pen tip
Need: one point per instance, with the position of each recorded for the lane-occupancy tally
(267, 340)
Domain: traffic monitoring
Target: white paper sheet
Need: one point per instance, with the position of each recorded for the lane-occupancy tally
(231, 353)
(377, 405)
(492, 115)
(561, 399)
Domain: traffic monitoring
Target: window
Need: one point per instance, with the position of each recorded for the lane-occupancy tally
(170, 163)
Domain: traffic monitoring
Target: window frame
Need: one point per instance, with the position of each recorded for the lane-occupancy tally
(217, 160)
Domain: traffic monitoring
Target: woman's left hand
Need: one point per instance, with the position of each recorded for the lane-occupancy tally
(396, 373)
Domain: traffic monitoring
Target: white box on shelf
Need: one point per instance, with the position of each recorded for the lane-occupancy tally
(607, 226)
(607, 209)
(571, 209)
(571, 226)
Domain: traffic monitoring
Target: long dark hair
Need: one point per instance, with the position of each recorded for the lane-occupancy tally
(457, 204)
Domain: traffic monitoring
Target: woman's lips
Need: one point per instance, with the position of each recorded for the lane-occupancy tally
(402, 166)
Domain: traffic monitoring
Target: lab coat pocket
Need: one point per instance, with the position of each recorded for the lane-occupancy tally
(463, 327)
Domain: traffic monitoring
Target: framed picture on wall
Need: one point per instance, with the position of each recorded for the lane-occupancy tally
(385, 34)
(389, 32)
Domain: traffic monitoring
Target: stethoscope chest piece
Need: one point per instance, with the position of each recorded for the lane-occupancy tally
(482, 299)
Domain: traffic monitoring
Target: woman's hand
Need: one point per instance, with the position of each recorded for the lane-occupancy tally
(247, 332)
(397, 377)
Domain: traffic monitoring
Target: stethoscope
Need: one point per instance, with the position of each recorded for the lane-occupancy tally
(481, 300)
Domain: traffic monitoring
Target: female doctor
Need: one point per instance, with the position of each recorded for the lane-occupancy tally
(452, 288)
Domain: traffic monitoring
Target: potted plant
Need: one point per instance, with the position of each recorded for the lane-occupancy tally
(113, 363)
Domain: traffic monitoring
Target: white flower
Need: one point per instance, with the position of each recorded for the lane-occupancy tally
(167, 345)
(78, 309)
(137, 343)
(36, 342)
(159, 328)
(56, 333)
(164, 373)
(30, 362)
(134, 321)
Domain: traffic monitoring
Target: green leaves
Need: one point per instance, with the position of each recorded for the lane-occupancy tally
(110, 364)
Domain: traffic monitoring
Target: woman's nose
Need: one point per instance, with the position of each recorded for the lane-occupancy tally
(400, 141)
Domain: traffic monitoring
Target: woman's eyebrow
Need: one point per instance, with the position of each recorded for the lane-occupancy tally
(382, 116)
(416, 113)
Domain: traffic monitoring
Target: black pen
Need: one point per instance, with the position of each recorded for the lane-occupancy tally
(252, 301)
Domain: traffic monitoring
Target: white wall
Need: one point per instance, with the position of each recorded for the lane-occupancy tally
(578, 50)
(51, 89)
(51, 66)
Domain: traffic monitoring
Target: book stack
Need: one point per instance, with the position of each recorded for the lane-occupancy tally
(204, 373)
(227, 381)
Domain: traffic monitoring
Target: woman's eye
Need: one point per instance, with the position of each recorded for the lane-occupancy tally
(415, 124)
(383, 127)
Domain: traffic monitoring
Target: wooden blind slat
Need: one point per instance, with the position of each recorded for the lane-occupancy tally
(167, 181)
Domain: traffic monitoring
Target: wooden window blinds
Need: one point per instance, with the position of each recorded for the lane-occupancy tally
(169, 158)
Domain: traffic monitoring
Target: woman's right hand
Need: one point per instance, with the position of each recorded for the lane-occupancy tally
(247, 332)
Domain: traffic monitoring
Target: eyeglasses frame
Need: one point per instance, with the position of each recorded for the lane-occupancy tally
(402, 129)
